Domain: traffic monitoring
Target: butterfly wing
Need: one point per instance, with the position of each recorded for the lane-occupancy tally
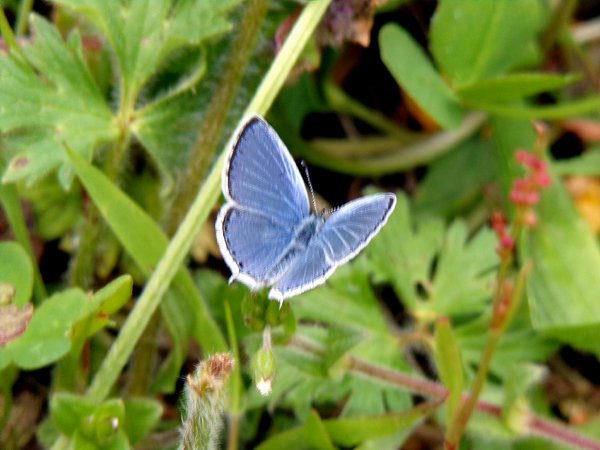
(266, 200)
(260, 175)
(343, 235)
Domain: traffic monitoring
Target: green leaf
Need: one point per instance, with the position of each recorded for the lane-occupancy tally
(403, 254)
(586, 164)
(104, 303)
(56, 211)
(349, 432)
(143, 36)
(510, 350)
(145, 39)
(464, 269)
(146, 243)
(47, 336)
(55, 101)
(518, 380)
(562, 287)
(504, 31)
(413, 71)
(449, 363)
(509, 136)
(69, 411)
(465, 272)
(16, 269)
(318, 434)
(93, 426)
(439, 194)
(141, 415)
(310, 436)
(563, 110)
(512, 87)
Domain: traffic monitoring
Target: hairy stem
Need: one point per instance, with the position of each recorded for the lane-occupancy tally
(211, 128)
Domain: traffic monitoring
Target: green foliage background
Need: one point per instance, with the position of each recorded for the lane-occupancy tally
(115, 116)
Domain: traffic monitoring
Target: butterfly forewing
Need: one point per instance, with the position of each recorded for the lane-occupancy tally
(261, 176)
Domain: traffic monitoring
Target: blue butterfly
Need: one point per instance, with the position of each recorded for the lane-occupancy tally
(266, 231)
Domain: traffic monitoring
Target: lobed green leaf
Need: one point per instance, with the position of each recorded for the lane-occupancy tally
(415, 73)
(502, 42)
(48, 101)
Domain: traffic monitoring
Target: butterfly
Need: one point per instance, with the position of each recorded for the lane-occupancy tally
(266, 231)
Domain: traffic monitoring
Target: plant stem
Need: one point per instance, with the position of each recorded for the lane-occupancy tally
(393, 157)
(8, 36)
(342, 102)
(215, 115)
(559, 22)
(235, 383)
(22, 16)
(469, 403)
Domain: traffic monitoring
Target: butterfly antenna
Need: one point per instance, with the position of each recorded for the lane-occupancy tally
(310, 188)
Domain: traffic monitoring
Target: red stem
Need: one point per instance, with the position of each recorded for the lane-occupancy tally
(535, 425)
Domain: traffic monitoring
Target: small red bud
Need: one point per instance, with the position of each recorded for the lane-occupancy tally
(542, 179)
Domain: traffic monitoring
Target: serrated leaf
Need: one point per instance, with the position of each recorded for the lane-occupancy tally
(512, 87)
(413, 71)
(563, 285)
(55, 101)
(463, 278)
(505, 29)
(350, 302)
(464, 266)
(16, 270)
(56, 211)
(403, 255)
(144, 39)
(339, 342)
(143, 35)
(510, 350)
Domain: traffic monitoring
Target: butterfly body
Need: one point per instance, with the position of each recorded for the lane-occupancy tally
(266, 232)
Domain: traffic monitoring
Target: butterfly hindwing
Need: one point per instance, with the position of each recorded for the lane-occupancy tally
(344, 234)
(252, 243)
